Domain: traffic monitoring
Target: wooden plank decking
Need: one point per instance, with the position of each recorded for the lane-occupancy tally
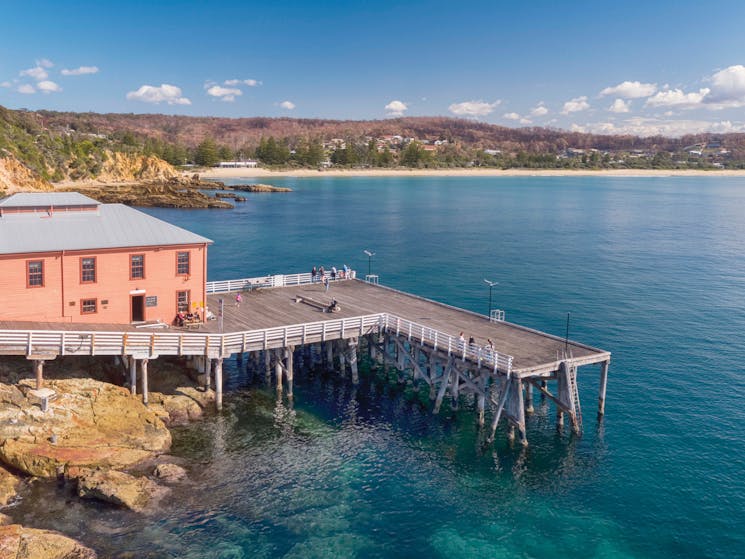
(268, 308)
(533, 352)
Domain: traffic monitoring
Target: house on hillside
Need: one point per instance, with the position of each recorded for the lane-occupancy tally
(65, 257)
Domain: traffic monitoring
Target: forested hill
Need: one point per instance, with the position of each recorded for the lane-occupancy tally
(33, 153)
(58, 146)
(240, 132)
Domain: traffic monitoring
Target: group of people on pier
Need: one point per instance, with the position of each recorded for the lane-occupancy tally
(321, 275)
(473, 346)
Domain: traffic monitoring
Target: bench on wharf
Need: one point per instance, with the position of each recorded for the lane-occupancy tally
(332, 306)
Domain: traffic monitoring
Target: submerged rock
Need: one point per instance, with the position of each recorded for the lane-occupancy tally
(118, 488)
(260, 188)
(18, 542)
(169, 472)
(89, 424)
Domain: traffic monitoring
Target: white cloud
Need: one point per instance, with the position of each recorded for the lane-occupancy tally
(473, 108)
(677, 98)
(289, 105)
(575, 105)
(539, 110)
(165, 93)
(396, 108)
(620, 106)
(526, 121)
(726, 91)
(511, 116)
(6, 84)
(727, 88)
(38, 73)
(249, 83)
(82, 70)
(224, 93)
(630, 90)
(45, 63)
(640, 126)
(47, 86)
(26, 88)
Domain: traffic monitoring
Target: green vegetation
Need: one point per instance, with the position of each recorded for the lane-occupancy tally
(74, 145)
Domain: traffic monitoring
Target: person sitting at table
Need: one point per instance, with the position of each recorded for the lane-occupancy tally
(190, 317)
(180, 317)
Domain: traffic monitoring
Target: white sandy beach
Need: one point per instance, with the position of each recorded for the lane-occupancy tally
(217, 173)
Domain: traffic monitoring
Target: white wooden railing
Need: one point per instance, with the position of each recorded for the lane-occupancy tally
(483, 355)
(276, 280)
(152, 344)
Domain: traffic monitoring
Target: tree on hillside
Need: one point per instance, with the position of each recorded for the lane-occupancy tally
(272, 152)
(225, 153)
(309, 153)
(414, 156)
(206, 153)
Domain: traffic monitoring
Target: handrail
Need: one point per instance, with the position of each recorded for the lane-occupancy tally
(270, 281)
(435, 338)
(152, 343)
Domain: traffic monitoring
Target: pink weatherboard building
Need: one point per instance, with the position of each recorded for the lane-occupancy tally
(65, 257)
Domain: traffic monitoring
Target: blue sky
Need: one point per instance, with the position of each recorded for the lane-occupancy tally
(622, 67)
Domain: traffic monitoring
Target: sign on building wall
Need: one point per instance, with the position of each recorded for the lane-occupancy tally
(151, 301)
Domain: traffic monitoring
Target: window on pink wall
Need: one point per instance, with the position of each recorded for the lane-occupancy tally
(88, 270)
(183, 267)
(137, 266)
(35, 273)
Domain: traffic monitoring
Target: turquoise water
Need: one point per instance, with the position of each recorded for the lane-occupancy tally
(651, 269)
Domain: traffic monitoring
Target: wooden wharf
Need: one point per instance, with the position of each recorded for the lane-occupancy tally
(282, 317)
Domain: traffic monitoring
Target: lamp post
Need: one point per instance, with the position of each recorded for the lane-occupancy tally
(369, 261)
(491, 284)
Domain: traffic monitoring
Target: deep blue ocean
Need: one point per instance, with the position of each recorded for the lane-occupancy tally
(651, 269)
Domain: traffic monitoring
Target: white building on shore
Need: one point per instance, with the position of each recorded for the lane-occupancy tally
(249, 163)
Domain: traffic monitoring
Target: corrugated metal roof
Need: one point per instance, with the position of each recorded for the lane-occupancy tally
(111, 226)
(44, 199)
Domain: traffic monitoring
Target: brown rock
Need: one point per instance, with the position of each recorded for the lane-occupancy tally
(260, 188)
(16, 177)
(169, 472)
(178, 409)
(90, 423)
(123, 167)
(118, 488)
(8, 486)
(18, 542)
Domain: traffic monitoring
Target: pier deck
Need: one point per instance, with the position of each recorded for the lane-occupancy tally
(282, 315)
(531, 350)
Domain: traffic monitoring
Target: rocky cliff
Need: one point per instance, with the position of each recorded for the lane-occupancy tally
(16, 177)
(124, 167)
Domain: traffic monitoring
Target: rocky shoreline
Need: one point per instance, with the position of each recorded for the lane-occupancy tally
(95, 437)
(176, 192)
